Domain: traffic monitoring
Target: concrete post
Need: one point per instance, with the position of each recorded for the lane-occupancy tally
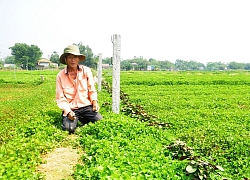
(99, 69)
(42, 78)
(116, 40)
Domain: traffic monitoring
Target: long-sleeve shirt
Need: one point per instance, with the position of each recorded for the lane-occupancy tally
(73, 94)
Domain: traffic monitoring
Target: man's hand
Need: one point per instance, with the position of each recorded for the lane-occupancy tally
(71, 115)
(96, 107)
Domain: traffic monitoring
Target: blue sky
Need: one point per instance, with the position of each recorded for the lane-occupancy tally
(199, 30)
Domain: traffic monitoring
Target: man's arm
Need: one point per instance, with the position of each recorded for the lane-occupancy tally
(60, 98)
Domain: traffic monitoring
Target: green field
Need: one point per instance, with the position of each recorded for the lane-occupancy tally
(209, 111)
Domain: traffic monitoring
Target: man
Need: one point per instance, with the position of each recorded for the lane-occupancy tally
(76, 95)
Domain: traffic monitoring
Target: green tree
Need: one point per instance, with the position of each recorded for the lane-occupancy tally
(247, 66)
(35, 54)
(126, 65)
(193, 65)
(235, 65)
(154, 62)
(9, 60)
(188, 65)
(1, 63)
(106, 60)
(166, 65)
(212, 66)
(181, 64)
(142, 64)
(55, 58)
(26, 56)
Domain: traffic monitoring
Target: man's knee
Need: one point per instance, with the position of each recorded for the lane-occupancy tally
(98, 116)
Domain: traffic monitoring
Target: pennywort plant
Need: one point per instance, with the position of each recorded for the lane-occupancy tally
(29, 122)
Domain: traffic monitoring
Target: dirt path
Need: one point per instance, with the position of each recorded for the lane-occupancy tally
(59, 164)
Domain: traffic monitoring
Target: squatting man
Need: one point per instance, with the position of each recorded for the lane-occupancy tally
(76, 95)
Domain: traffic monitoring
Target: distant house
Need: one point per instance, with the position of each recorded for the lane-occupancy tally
(9, 65)
(150, 67)
(105, 66)
(133, 64)
(45, 63)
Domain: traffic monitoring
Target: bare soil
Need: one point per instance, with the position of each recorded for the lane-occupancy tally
(59, 164)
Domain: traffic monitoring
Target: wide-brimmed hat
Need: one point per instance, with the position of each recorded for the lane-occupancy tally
(72, 49)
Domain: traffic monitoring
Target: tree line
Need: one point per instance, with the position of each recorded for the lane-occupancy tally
(27, 56)
(142, 64)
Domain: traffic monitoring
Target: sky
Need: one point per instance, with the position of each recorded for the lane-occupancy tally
(191, 30)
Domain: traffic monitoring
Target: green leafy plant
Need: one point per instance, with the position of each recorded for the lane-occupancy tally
(28, 123)
(180, 150)
(209, 110)
(201, 169)
(197, 169)
(135, 110)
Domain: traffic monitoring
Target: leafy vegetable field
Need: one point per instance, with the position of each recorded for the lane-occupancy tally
(29, 122)
(172, 125)
(209, 111)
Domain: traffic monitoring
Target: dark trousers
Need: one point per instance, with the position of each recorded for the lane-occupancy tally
(84, 115)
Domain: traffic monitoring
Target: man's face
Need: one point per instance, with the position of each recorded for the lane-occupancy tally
(72, 60)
